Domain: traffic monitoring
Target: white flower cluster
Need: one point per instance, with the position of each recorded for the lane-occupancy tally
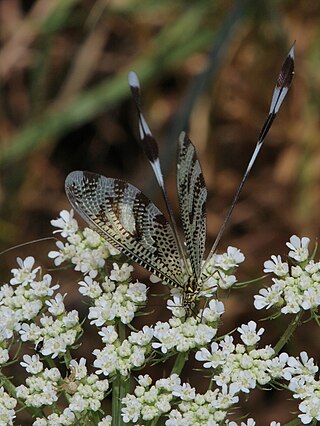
(67, 418)
(86, 250)
(116, 297)
(22, 300)
(300, 373)
(31, 309)
(172, 335)
(56, 333)
(33, 393)
(183, 335)
(296, 287)
(7, 405)
(241, 365)
(85, 391)
(220, 269)
(179, 402)
(122, 356)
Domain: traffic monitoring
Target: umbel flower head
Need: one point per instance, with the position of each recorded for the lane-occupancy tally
(34, 311)
(296, 283)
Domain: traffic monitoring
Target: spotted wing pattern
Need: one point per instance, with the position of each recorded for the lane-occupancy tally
(128, 220)
(192, 195)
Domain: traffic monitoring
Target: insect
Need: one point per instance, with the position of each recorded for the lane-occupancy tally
(129, 221)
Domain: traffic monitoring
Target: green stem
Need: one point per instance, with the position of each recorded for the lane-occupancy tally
(94, 418)
(67, 358)
(121, 331)
(50, 362)
(153, 422)
(176, 369)
(179, 363)
(8, 385)
(288, 333)
(120, 387)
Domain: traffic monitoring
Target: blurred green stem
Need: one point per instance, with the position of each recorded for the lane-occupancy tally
(288, 333)
(171, 46)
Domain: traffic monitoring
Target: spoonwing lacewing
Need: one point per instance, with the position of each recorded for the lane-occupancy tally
(129, 221)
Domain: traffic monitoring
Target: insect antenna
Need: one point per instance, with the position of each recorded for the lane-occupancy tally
(281, 89)
(150, 148)
(28, 243)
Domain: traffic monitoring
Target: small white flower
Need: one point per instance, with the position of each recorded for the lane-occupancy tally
(214, 311)
(71, 319)
(310, 409)
(227, 261)
(41, 389)
(235, 255)
(32, 364)
(7, 405)
(88, 261)
(137, 357)
(277, 364)
(145, 380)
(121, 273)
(56, 306)
(298, 248)
(106, 360)
(311, 298)
(167, 338)
(226, 281)
(249, 422)
(40, 422)
(103, 311)
(185, 392)
(276, 266)
(67, 224)
(142, 337)
(300, 367)
(25, 274)
(248, 333)
(227, 396)
(106, 421)
(66, 252)
(130, 410)
(267, 297)
(227, 346)
(137, 292)
(90, 288)
(54, 346)
(176, 306)
(213, 359)
(43, 288)
(108, 334)
(30, 332)
(4, 356)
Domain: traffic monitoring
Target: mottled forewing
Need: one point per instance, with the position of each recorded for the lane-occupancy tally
(192, 194)
(128, 220)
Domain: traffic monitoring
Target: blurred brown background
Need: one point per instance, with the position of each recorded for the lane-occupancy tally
(209, 66)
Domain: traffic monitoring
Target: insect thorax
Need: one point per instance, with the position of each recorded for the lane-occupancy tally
(190, 295)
